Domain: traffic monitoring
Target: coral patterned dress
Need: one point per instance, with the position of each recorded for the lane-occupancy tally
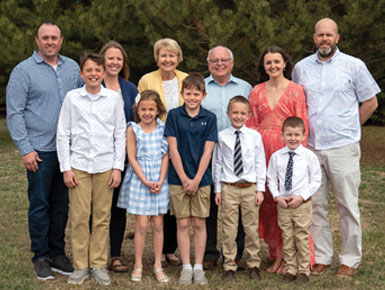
(268, 122)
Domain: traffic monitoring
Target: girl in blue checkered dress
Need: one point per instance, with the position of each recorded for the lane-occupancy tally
(145, 190)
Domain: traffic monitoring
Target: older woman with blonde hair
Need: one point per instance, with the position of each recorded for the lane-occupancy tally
(167, 81)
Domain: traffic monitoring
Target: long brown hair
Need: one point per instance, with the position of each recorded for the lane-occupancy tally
(149, 95)
(263, 76)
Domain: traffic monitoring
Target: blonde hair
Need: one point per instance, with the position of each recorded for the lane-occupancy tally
(168, 44)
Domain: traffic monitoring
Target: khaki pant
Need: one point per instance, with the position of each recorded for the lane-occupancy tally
(295, 224)
(340, 167)
(232, 199)
(90, 196)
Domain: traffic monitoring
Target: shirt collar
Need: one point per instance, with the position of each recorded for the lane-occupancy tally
(232, 79)
(202, 112)
(38, 59)
(102, 92)
(329, 60)
(242, 130)
(298, 151)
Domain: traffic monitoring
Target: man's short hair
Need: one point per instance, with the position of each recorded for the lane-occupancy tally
(293, 122)
(228, 49)
(48, 23)
(168, 44)
(194, 80)
(238, 99)
(95, 57)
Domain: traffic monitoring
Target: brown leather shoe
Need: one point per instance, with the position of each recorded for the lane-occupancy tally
(240, 264)
(174, 262)
(255, 274)
(345, 272)
(287, 278)
(228, 276)
(117, 265)
(319, 269)
(301, 279)
(209, 264)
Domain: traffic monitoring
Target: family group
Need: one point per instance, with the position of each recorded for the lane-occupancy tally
(177, 150)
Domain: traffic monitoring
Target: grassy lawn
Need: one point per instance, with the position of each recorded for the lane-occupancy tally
(16, 270)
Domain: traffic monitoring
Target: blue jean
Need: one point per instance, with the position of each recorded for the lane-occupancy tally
(48, 208)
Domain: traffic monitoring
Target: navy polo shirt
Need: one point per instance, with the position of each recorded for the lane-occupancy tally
(191, 134)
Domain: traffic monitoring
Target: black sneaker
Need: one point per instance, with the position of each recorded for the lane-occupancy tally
(62, 265)
(43, 270)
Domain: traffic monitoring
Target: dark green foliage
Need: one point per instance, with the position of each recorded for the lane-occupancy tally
(246, 27)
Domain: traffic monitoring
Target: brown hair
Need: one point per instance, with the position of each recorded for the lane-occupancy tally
(286, 58)
(238, 99)
(149, 95)
(95, 57)
(293, 122)
(194, 80)
(125, 71)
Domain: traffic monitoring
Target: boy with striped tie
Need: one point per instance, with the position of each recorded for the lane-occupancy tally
(293, 176)
(239, 173)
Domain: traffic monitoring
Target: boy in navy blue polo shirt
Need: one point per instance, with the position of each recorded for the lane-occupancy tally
(191, 132)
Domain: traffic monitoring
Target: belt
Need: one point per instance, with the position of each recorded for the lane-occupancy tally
(240, 185)
(307, 200)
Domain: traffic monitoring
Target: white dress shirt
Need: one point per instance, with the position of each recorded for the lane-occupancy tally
(334, 89)
(91, 131)
(306, 177)
(253, 158)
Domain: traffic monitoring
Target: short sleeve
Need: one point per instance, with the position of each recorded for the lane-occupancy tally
(213, 129)
(170, 129)
(365, 85)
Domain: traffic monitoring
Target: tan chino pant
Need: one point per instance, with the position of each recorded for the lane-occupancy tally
(295, 224)
(90, 196)
(232, 199)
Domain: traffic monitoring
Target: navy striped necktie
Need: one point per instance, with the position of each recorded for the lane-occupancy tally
(238, 167)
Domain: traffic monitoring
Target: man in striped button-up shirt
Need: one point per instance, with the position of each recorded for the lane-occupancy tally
(35, 93)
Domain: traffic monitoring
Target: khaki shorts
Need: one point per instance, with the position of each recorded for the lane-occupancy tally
(183, 205)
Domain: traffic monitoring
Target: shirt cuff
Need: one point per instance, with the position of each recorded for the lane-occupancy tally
(118, 164)
(217, 187)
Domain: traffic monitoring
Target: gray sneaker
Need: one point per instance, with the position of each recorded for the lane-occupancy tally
(43, 270)
(199, 277)
(101, 276)
(78, 276)
(186, 277)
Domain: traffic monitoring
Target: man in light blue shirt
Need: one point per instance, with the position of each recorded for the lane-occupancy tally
(35, 92)
(335, 84)
(221, 86)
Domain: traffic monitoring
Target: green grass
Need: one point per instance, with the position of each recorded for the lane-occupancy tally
(16, 269)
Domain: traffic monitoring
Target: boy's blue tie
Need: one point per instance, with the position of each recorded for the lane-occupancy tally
(238, 167)
(289, 171)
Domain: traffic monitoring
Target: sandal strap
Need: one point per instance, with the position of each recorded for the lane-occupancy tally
(137, 270)
(158, 270)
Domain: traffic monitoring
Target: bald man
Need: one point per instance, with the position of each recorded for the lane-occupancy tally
(335, 84)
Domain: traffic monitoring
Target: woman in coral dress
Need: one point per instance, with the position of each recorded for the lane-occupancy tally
(271, 102)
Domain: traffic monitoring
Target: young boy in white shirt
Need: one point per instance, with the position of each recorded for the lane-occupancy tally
(239, 172)
(293, 176)
(91, 148)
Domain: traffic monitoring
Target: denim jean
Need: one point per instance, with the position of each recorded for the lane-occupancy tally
(48, 208)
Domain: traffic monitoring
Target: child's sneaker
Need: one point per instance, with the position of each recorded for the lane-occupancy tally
(186, 277)
(101, 276)
(78, 276)
(199, 277)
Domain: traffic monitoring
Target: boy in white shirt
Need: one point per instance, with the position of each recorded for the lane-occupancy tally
(91, 148)
(239, 172)
(293, 176)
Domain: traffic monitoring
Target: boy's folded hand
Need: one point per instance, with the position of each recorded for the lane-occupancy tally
(70, 179)
(295, 201)
(282, 201)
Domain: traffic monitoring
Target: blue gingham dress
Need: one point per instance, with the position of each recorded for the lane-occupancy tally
(134, 195)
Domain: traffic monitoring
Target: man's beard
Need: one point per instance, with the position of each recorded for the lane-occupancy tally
(326, 53)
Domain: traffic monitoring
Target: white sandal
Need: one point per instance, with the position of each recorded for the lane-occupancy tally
(161, 280)
(136, 278)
